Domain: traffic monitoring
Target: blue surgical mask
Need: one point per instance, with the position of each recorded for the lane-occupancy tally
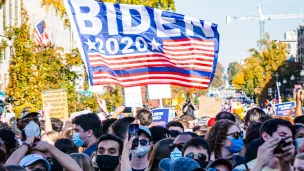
(298, 142)
(175, 154)
(236, 145)
(77, 140)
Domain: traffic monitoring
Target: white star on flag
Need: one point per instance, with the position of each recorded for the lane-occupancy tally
(154, 44)
(91, 44)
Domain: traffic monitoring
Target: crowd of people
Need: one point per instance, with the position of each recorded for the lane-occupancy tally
(88, 142)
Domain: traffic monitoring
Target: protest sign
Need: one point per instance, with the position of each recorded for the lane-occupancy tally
(283, 109)
(160, 117)
(209, 106)
(159, 91)
(58, 101)
(133, 97)
(134, 45)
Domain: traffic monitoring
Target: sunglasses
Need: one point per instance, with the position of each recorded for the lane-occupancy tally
(28, 120)
(173, 146)
(143, 142)
(236, 134)
(200, 156)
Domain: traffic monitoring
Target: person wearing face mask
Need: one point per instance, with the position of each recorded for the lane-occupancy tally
(199, 150)
(108, 154)
(226, 141)
(178, 144)
(87, 130)
(27, 121)
(140, 161)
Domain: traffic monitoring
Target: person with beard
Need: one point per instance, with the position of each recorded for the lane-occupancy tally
(109, 152)
(199, 150)
(33, 145)
(8, 144)
(27, 121)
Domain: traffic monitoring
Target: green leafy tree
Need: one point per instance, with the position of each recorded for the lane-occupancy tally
(30, 73)
(218, 76)
(233, 69)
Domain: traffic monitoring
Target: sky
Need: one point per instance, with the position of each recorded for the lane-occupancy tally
(238, 37)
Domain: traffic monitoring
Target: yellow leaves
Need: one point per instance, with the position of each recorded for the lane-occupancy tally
(258, 69)
(60, 9)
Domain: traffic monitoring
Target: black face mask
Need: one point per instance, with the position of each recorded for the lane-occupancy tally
(203, 164)
(107, 162)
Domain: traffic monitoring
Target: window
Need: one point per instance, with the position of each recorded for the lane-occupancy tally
(4, 17)
(289, 46)
(3, 55)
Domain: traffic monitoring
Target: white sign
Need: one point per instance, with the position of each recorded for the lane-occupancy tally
(133, 97)
(159, 91)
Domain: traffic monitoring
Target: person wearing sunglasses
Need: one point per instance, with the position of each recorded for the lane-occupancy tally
(139, 159)
(226, 141)
(199, 150)
(178, 144)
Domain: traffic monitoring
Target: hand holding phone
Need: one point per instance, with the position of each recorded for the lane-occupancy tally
(133, 132)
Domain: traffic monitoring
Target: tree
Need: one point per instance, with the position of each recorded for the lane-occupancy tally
(257, 72)
(233, 69)
(2, 2)
(218, 76)
(30, 73)
(60, 9)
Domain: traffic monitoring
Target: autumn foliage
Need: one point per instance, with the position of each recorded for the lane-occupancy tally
(259, 68)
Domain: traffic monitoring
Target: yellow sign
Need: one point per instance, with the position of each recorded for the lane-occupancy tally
(209, 106)
(58, 101)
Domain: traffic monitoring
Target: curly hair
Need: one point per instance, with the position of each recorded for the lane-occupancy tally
(217, 134)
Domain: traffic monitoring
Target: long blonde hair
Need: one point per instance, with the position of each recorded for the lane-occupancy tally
(83, 160)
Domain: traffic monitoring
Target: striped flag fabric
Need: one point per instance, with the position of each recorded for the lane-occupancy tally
(134, 45)
(40, 35)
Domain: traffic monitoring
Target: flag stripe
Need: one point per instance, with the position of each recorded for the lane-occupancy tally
(147, 55)
(153, 64)
(150, 81)
(134, 77)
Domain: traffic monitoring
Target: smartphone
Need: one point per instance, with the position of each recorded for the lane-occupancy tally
(281, 145)
(127, 110)
(133, 131)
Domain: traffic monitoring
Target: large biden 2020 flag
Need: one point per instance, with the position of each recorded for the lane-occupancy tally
(133, 45)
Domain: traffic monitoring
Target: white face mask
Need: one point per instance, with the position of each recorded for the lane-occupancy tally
(175, 154)
(32, 129)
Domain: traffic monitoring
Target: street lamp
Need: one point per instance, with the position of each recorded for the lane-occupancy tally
(292, 78)
(284, 81)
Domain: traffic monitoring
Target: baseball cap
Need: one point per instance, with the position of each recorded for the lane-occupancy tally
(221, 162)
(180, 164)
(145, 130)
(32, 158)
(26, 109)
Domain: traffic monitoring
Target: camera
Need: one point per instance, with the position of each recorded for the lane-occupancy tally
(9, 100)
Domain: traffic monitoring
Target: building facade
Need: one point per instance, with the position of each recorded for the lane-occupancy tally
(290, 39)
(10, 15)
(301, 43)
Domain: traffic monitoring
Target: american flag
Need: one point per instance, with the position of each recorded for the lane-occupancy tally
(40, 35)
(183, 54)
